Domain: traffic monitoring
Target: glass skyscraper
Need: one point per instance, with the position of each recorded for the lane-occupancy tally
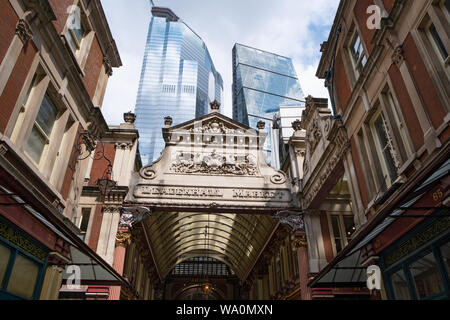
(262, 82)
(178, 79)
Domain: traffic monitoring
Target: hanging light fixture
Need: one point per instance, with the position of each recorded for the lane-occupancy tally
(106, 184)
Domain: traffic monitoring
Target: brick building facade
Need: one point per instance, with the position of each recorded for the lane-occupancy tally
(55, 61)
(373, 175)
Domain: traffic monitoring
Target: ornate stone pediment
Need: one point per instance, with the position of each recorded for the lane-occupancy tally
(212, 162)
(326, 144)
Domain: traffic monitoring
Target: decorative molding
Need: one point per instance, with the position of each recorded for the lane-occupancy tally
(300, 242)
(338, 138)
(17, 238)
(124, 145)
(108, 66)
(23, 31)
(111, 208)
(123, 239)
(398, 57)
(290, 219)
(148, 173)
(214, 127)
(279, 178)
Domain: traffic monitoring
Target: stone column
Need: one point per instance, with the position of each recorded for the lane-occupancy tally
(123, 239)
(301, 245)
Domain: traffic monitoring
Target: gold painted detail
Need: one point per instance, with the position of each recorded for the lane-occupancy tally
(123, 238)
(436, 228)
(15, 237)
(300, 242)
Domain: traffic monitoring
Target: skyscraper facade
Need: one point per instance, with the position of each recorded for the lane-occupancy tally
(262, 82)
(178, 79)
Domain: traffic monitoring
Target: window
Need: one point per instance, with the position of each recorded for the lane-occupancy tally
(398, 125)
(5, 254)
(42, 129)
(357, 53)
(445, 252)
(427, 281)
(384, 150)
(343, 227)
(84, 221)
(437, 41)
(75, 30)
(21, 274)
(400, 286)
(22, 281)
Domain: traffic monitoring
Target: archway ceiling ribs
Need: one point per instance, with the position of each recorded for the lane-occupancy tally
(228, 222)
(234, 239)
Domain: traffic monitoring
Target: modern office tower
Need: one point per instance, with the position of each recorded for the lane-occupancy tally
(262, 82)
(178, 79)
(282, 131)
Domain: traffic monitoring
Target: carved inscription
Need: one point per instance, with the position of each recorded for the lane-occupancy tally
(257, 194)
(178, 192)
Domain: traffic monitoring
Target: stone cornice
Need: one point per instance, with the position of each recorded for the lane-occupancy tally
(105, 38)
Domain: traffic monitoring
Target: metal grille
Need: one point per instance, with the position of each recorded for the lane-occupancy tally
(202, 266)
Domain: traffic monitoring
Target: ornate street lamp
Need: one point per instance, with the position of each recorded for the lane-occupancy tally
(106, 184)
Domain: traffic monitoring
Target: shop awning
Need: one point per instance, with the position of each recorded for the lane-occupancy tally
(347, 273)
(93, 269)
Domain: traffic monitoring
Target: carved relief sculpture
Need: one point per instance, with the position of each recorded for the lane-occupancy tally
(214, 163)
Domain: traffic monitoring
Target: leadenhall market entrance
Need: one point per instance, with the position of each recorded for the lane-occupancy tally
(197, 221)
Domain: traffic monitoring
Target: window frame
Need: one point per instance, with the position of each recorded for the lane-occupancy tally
(357, 63)
(15, 250)
(80, 55)
(48, 138)
(344, 239)
(404, 265)
(386, 179)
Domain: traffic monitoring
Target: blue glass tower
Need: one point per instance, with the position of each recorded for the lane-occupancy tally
(178, 79)
(262, 82)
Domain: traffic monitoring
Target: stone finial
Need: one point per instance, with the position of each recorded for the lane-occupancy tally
(129, 117)
(297, 125)
(261, 125)
(168, 122)
(215, 106)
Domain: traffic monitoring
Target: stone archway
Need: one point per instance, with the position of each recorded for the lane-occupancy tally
(210, 193)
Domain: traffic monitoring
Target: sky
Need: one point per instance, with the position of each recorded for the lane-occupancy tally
(291, 28)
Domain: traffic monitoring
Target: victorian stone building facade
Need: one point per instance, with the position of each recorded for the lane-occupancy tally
(58, 157)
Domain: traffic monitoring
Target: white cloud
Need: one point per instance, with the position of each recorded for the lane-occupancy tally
(292, 28)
